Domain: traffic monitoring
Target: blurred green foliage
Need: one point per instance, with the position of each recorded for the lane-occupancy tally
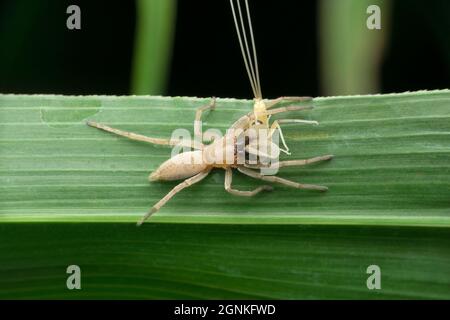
(351, 54)
(126, 48)
(152, 52)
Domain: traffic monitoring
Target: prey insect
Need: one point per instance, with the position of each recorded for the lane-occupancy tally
(232, 150)
(260, 107)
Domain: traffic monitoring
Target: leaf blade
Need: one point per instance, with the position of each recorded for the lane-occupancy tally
(391, 166)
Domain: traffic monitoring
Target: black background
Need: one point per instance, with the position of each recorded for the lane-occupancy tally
(39, 55)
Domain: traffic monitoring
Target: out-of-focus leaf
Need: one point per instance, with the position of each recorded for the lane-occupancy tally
(153, 44)
(351, 54)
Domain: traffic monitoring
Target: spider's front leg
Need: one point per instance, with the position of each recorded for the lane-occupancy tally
(274, 102)
(140, 137)
(198, 119)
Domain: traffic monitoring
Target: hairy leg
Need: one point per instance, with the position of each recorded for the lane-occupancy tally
(275, 125)
(139, 137)
(281, 121)
(186, 183)
(276, 179)
(273, 102)
(286, 109)
(228, 180)
(198, 119)
(290, 163)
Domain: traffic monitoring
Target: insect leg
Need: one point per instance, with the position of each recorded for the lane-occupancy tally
(274, 127)
(291, 163)
(228, 188)
(139, 137)
(186, 183)
(198, 119)
(273, 102)
(276, 179)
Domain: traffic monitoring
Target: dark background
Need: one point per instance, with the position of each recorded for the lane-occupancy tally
(39, 55)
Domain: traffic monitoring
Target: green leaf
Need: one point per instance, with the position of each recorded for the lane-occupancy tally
(391, 162)
(171, 261)
(70, 194)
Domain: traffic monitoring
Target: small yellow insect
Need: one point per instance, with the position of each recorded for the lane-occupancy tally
(230, 151)
(260, 107)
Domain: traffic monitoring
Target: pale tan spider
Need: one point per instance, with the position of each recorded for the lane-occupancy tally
(194, 166)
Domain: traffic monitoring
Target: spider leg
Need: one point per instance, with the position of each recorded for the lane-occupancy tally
(186, 183)
(273, 102)
(228, 188)
(139, 137)
(290, 163)
(276, 179)
(198, 119)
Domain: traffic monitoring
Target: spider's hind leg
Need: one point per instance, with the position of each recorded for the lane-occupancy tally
(286, 182)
